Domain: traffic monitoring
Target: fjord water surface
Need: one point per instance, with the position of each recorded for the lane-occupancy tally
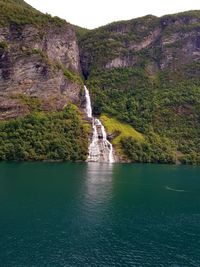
(92, 214)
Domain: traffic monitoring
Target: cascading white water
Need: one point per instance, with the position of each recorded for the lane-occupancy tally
(88, 103)
(100, 149)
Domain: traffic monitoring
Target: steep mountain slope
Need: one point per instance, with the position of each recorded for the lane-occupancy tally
(142, 73)
(39, 57)
(39, 79)
(146, 72)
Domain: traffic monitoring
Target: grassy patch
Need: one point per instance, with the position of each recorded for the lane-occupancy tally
(72, 76)
(69, 74)
(120, 131)
(33, 103)
(3, 45)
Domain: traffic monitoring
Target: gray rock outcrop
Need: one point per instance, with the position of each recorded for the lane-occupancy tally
(40, 63)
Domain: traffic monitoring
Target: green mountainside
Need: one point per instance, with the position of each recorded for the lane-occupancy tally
(143, 76)
(21, 13)
(145, 72)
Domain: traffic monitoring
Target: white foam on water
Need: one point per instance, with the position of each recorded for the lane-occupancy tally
(173, 189)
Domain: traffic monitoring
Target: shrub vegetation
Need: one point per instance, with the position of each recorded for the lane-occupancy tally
(45, 136)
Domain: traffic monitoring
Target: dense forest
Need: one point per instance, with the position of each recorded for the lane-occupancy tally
(45, 136)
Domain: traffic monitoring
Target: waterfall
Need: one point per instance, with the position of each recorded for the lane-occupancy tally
(88, 103)
(100, 149)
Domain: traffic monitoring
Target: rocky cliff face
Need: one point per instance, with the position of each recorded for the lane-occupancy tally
(160, 42)
(38, 62)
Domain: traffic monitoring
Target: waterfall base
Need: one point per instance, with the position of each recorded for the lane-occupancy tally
(100, 149)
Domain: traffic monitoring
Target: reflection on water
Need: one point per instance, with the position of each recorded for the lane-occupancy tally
(96, 198)
(98, 182)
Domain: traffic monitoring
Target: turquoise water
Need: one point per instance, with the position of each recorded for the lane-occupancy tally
(57, 214)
